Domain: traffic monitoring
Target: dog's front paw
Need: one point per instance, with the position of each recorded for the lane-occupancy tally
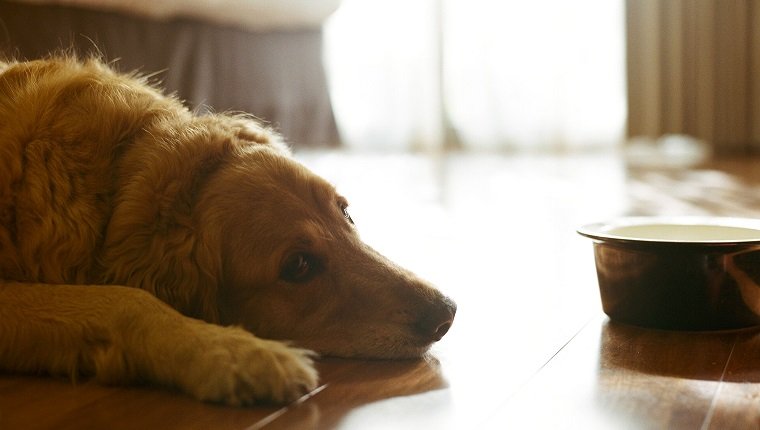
(234, 367)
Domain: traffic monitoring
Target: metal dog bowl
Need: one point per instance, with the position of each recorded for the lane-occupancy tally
(679, 273)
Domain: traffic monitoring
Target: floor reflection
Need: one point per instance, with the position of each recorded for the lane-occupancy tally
(357, 383)
(665, 352)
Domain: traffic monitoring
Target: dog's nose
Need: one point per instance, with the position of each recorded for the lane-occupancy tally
(437, 322)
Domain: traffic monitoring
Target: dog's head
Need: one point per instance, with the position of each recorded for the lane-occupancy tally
(294, 268)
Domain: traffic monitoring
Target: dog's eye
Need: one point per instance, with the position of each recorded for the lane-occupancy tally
(344, 209)
(299, 267)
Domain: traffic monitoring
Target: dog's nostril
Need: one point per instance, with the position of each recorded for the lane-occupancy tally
(441, 331)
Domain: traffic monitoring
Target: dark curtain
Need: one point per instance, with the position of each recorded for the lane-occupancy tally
(277, 76)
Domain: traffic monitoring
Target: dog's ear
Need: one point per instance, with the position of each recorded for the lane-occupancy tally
(165, 257)
(174, 266)
(153, 241)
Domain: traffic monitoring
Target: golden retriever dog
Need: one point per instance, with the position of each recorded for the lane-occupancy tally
(143, 243)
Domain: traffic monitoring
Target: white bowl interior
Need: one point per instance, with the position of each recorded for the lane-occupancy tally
(685, 232)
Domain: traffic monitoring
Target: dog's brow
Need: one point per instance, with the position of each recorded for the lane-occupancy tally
(315, 230)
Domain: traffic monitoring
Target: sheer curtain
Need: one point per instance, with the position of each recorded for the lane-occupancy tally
(693, 69)
(482, 74)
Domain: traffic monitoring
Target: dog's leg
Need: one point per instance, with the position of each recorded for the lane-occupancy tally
(123, 335)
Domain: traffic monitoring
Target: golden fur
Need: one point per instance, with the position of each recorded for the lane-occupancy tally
(106, 184)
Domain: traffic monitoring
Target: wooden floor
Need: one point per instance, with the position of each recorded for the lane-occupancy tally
(530, 347)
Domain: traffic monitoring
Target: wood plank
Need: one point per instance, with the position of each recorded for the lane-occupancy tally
(351, 384)
(737, 403)
(28, 402)
(617, 376)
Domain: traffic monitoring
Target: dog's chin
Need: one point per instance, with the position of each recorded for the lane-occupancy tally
(402, 349)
